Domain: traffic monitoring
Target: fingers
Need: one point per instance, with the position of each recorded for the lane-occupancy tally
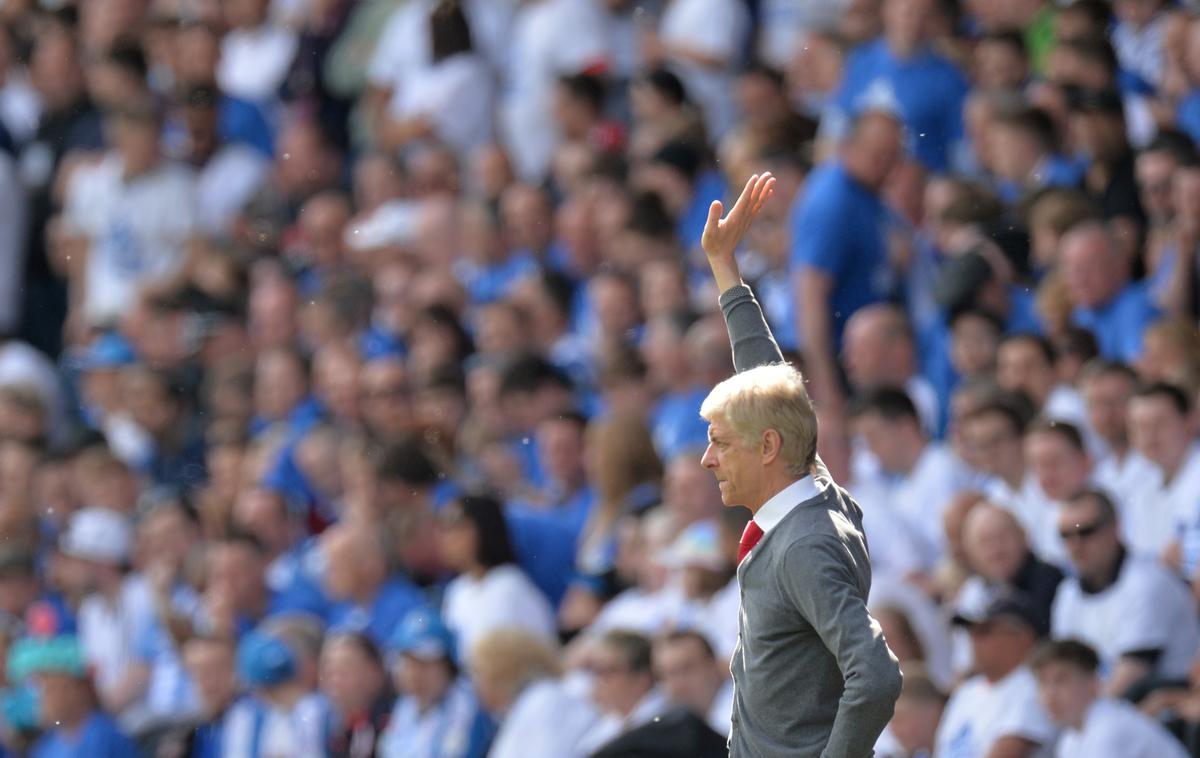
(715, 211)
(767, 191)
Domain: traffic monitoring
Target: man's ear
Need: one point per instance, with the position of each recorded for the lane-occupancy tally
(772, 445)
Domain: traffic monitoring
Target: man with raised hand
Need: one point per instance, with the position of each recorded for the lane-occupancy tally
(812, 673)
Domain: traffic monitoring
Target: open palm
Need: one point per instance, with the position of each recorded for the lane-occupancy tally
(722, 235)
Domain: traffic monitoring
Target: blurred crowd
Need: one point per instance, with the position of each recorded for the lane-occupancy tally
(352, 354)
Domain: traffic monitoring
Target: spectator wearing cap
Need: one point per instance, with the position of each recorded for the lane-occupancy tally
(1138, 616)
(839, 252)
(354, 680)
(280, 716)
(540, 715)
(903, 480)
(490, 592)
(1162, 509)
(73, 722)
(692, 676)
(902, 70)
(437, 714)
(996, 712)
(1070, 687)
(211, 663)
(1097, 276)
(624, 689)
(94, 553)
(132, 213)
(704, 574)
(365, 597)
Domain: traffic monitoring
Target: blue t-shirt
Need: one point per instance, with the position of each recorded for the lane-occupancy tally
(676, 425)
(492, 282)
(545, 550)
(927, 90)
(840, 227)
(1118, 324)
(395, 600)
(98, 738)
(242, 121)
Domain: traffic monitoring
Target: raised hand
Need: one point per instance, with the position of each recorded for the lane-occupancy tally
(722, 235)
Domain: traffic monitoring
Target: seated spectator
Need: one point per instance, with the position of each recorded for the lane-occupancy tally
(1069, 683)
(73, 721)
(211, 663)
(281, 715)
(879, 349)
(998, 552)
(997, 711)
(437, 714)
(355, 682)
(1026, 363)
(1108, 603)
(1107, 303)
(913, 728)
(1163, 510)
(1119, 468)
(691, 676)
(624, 689)
(490, 592)
(366, 598)
(915, 481)
(1054, 452)
(540, 716)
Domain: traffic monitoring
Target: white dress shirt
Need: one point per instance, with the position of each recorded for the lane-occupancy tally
(781, 504)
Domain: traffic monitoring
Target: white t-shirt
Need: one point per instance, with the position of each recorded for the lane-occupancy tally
(456, 96)
(1037, 513)
(1113, 728)
(1148, 608)
(226, 183)
(300, 732)
(503, 598)
(107, 633)
(1123, 479)
(254, 62)
(898, 546)
(137, 230)
(550, 38)
(715, 28)
(546, 721)
(634, 609)
(1160, 512)
(922, 496)
(981, 712)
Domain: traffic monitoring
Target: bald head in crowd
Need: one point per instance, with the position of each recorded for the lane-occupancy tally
(356, 560)
(878, 346)
(1093, 267)
(874, 148)
(994, 542)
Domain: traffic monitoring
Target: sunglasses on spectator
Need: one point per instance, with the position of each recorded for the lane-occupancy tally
(1082, 531)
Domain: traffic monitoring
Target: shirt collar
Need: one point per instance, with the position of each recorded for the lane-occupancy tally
(773, 511)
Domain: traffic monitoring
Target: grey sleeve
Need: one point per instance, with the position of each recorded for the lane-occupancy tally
(818, 575)
(751, 338)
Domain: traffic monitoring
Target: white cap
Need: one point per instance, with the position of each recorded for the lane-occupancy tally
(97, 534)
(699, 545)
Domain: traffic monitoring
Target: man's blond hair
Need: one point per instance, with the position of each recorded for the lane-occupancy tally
(768, 397)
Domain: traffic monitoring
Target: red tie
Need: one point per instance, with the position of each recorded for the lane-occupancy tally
(750, 538)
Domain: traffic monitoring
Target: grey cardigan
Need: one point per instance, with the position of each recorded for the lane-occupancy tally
(812, 674)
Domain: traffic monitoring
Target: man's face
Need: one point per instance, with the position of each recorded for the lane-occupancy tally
(348, 678)
(1066, 692)
(1085, 269)
(1061, 470)
(60, 696)
(881, 438)
(560, 444)
(995, 547)
(617, 689)
(1157, 430)
(1107, 399)
(425, 680)
(687, 674)
(734, 463)
(915, 723)
(1090, 539)
(1154, 170)
(1021, 365)
(995, 447)
(211, 666)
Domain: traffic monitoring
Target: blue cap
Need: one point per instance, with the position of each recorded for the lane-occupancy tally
(264, 660)
(109, 350)
(46, 655)
(424, 635)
